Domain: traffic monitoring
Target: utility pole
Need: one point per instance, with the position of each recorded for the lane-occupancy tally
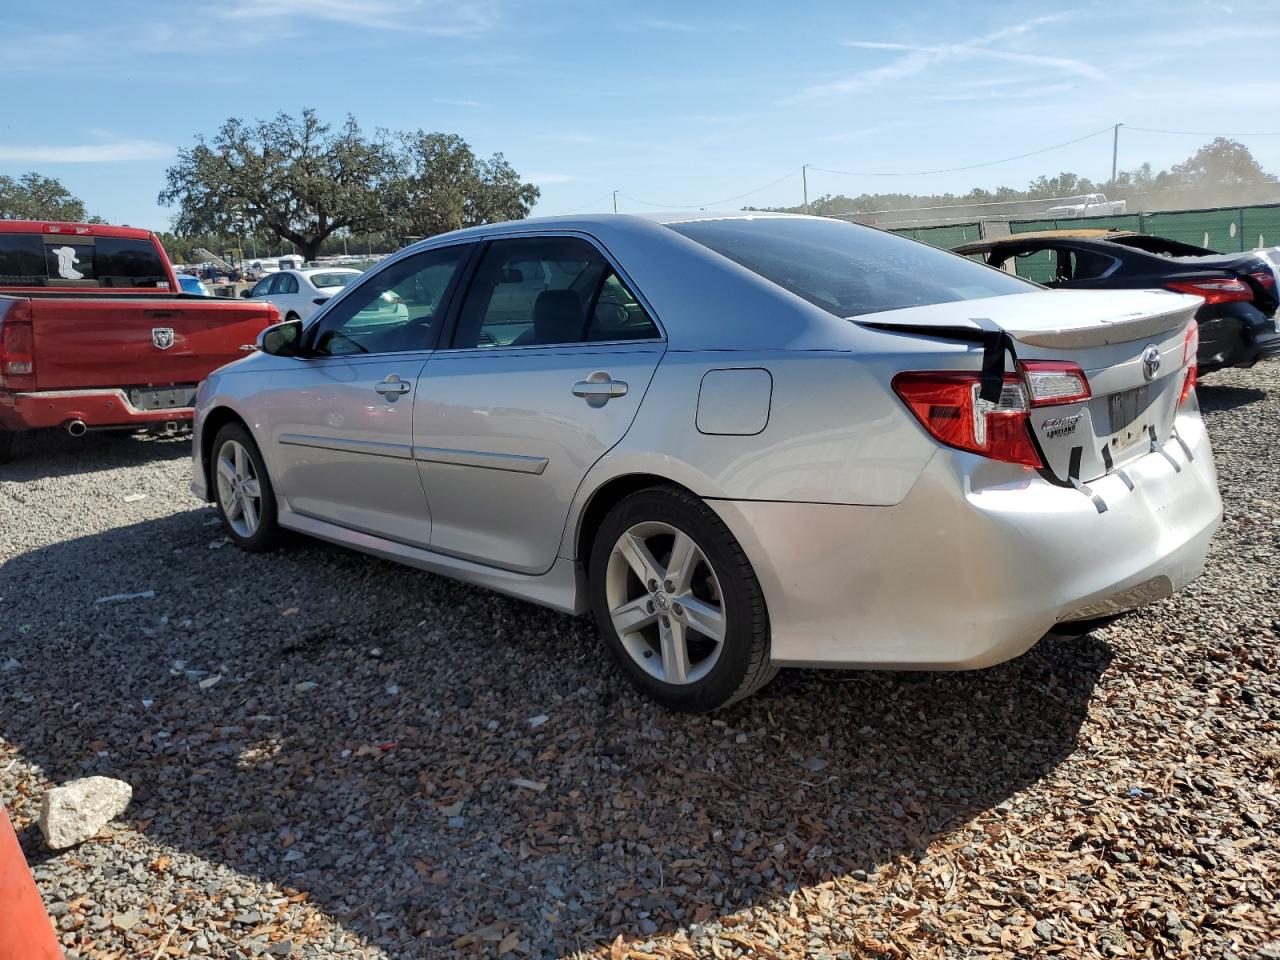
(804, 178)
(1115, 152)
(615, 201)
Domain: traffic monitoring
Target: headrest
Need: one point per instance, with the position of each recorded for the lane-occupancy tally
(557, 317)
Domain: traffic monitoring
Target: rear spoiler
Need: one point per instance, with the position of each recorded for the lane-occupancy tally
(995, 340)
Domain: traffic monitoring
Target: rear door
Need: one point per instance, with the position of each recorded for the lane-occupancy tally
(341, 416)
(552, 354)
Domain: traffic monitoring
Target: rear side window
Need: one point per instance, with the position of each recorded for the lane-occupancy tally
(544, 291)
(323, 280)
(22, 260)
(119, 262)
(64, 260)
(847, 269)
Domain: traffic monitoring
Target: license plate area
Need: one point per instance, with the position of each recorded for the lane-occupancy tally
(165, 398)
(1129, 413)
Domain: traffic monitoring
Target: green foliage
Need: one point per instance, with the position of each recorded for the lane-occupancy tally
(301, 181)
(1218, 174)
(35, 197)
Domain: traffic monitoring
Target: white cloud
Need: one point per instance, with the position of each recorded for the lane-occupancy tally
(919, 58)
(121, 151)
(545, 179)
(443, 18)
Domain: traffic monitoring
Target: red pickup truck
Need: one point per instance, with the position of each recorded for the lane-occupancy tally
(96, 334)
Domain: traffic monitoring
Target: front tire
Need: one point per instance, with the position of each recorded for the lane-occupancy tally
(677, 602)
(6, 445)
(242, 490)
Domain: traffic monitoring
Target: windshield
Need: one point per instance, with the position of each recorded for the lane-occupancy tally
(332, 279)
(847, 269)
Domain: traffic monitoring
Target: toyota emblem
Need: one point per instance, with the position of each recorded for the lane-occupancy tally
(1150, 362)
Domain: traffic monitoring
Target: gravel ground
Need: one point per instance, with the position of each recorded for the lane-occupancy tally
(324, 750)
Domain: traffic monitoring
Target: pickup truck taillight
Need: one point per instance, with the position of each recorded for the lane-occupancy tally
(1213, 289)
(17, 346)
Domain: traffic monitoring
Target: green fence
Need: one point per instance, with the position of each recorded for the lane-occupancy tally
(948, 236)
(1225, 229)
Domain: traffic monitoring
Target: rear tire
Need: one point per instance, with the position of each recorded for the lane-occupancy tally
(242, 490)
(6, 445)
(692, 632)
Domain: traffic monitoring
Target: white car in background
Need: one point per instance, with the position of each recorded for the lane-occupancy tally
(298, 293)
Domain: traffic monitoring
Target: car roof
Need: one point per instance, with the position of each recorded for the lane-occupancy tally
(308, 271)
(600, 224)
(56, 227)
(1017, 239)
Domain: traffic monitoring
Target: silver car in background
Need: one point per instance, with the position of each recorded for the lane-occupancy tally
(741, 441)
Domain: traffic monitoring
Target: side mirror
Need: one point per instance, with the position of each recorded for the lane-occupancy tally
(281, 339)
(246, 293)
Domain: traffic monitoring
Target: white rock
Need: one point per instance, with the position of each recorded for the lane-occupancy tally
(76, 811)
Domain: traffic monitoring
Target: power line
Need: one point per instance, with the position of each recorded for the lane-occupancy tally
(711, 203)
(565, 213)
(1200, 133)
(972, 166)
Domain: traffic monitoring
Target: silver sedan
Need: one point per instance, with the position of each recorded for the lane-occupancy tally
(740, 441)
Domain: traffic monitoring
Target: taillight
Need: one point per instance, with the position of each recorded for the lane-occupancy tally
(1265, 279)
(1190, 347)
(1050, 382)
(17, 347)
(1213, 289)
(948, 406)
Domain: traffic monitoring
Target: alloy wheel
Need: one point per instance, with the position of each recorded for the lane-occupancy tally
(239, 492)
(665, 602)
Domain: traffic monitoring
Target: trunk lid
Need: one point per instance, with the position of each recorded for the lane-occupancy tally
(85, 341)
(1129, 344)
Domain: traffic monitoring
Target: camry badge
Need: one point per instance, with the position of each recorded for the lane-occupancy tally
(162, 337)
(1150, 362)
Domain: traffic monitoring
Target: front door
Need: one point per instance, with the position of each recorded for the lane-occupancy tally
(342, 415)
(545, 372)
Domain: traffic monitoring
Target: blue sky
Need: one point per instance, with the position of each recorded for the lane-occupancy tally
(669, 103)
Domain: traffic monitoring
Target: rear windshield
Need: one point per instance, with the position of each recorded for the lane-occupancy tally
(848, 269)
(58, 260)
(332, 279)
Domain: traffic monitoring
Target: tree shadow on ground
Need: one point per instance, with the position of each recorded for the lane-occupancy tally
(42, 454)
(386, 789)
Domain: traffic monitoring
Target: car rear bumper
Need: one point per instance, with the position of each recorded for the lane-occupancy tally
(958, 576)
(96, 408)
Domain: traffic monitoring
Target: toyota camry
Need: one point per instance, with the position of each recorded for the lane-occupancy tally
(740, 441)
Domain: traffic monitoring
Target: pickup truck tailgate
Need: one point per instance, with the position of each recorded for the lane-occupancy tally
(120, 341)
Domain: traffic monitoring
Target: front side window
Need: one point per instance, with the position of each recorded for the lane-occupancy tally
(393, 310)
(848, 269)
(261, 288)
(542, 291)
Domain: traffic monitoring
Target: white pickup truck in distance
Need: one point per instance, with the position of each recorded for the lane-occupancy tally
(1089, 205)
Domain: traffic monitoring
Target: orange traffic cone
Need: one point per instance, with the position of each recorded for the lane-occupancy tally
(25, 930)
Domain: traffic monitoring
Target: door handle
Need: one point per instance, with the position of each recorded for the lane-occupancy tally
(599, 388)
(393, 386)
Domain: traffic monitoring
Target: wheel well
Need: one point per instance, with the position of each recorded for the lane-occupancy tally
(603, 500)
(214, 421)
